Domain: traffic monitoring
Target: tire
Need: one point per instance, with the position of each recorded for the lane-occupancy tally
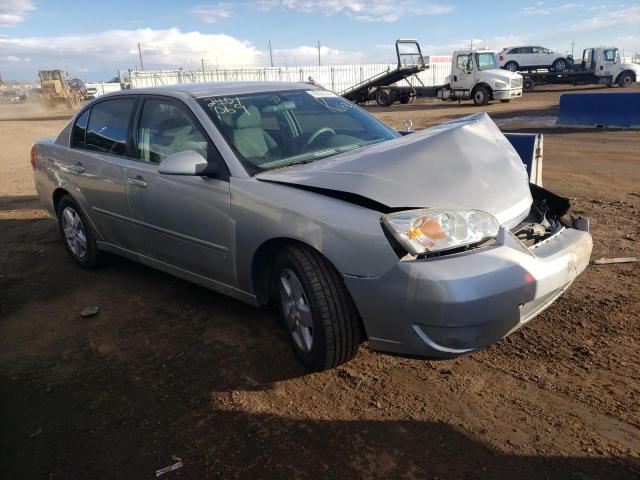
(559, 65)
(384, 98)
(481, 96)
(528, 85)
(73, 226)
(406, 98)
(511, 66)
(319, 314)
(625, 79)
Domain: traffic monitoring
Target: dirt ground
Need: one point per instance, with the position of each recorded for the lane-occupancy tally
(168, 369)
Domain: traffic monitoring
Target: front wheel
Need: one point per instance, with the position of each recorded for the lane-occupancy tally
(559, 65)
(76, 233)
(481, 96)
(384, 98)
(316, 309)
(625, 80)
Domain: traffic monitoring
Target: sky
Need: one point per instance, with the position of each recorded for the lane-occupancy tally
(91, 40)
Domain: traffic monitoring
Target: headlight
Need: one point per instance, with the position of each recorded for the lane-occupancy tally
(499, 84)
(429, 231)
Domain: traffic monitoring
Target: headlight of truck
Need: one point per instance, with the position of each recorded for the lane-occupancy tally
(429, 230)
(499, 84)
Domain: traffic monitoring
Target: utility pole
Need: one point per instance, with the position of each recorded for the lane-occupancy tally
(572, 45)
(318, 52)
(270, 53)
(204, 75)
(140, 53)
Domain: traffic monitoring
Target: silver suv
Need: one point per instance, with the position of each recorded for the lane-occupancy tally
(532, 58)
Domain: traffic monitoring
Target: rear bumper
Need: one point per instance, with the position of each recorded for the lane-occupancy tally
(448, 306)
(507, 94)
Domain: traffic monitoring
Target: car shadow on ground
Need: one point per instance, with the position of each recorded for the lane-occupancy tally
(71, 431)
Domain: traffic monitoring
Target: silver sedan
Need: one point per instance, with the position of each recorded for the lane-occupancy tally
(433, 243)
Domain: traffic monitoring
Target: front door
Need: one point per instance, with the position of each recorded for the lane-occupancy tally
(463, 79)
(187, 218)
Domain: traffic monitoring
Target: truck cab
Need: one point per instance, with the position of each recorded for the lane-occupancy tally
(476, 75)
(606, 63)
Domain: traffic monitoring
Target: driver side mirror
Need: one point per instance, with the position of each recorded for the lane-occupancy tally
(188, 162)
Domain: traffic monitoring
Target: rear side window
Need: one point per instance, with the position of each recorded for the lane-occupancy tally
(79, 131)
(514, 51)
(109, 126)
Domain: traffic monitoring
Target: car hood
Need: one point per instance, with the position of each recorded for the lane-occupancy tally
(502, 75)
(466, 163)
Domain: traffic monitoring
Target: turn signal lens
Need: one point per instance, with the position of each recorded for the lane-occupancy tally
(429, 231)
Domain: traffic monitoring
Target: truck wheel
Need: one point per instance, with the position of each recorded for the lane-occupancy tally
(559, 65)
(76, 233)
(625, 79)
(528, 84)
(404, 99)
(384, 98)
(481, 96)
(511, 66)
(316, 308)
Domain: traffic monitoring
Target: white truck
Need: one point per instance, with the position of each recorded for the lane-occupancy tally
(598, 65)
(476, 75)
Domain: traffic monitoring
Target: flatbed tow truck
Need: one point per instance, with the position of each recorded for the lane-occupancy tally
(601, 65)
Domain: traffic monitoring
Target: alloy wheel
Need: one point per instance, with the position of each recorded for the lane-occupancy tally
(297, 312)
(74, 232)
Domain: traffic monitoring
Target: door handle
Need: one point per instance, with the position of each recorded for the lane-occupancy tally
(77, 168)
(138, 181)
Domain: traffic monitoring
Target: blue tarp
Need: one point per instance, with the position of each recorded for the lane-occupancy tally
(599, 110)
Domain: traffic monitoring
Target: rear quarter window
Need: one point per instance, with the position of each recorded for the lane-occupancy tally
(109, 126)
(79, 130)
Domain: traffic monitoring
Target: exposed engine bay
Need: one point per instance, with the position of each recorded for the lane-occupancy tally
(548, 216)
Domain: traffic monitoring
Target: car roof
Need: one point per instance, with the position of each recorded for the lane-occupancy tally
(197, 90)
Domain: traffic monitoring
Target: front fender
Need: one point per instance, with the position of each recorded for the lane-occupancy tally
(348, 235)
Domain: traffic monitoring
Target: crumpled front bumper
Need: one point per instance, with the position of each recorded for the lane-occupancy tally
(444, 307)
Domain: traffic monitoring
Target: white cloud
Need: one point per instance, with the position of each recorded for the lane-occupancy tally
(212, 13)
(308, 55)
(613, 18)
(108, 50)
(13, 12)
(539, 10)
(387, 11)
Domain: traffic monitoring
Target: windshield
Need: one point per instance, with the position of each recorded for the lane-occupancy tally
(486, 61)
(271, 130)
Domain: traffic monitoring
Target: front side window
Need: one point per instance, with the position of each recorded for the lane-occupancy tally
(166, 128)
(610, 55)
(486, 61)
(275, 129)
(464, 63)
(109, 126)
(79, 130)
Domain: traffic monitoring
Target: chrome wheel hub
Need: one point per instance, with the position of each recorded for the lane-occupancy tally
(74, 232)
(296, 310)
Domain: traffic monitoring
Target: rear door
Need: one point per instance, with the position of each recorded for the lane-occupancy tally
(186, 218)
(96, 161)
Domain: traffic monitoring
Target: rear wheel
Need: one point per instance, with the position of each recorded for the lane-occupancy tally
(625, 79)
(481, 96)
(511, 66)
(76, 233)
(316, 309)
(405, 98)
(384, 98)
